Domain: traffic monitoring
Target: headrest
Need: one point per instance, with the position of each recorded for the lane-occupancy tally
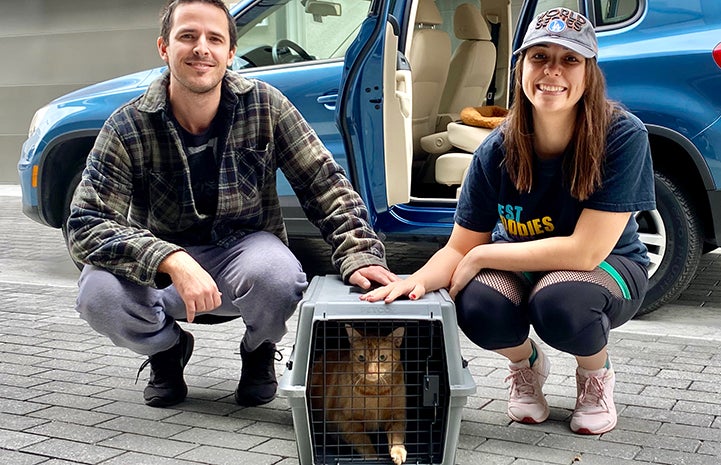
(468, 24)
(428, 13)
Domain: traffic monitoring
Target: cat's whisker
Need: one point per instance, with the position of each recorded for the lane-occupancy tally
(358, 382)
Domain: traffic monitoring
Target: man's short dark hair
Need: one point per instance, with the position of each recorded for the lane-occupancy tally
(166, 18)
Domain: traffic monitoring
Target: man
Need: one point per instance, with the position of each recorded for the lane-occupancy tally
(177, 213)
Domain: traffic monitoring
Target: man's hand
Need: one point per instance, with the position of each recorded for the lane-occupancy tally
(195, 286)
(363, 277)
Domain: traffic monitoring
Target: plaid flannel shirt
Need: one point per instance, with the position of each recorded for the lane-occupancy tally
(134, 204)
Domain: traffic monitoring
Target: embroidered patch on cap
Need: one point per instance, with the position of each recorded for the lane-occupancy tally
(556, 26)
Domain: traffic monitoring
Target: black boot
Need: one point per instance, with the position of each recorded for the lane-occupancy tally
(257, 385)
(166, 385)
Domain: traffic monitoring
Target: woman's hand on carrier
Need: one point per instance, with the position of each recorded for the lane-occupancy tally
(409, 287)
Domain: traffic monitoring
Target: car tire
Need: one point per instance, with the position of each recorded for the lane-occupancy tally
(66, 212)
(673, 235)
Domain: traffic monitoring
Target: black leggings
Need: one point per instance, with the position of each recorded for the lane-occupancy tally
(572, 311)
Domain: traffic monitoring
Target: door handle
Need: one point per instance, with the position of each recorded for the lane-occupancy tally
(328, 101)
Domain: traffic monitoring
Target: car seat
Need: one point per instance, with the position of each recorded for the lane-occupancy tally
(472, 65)
(429, 59)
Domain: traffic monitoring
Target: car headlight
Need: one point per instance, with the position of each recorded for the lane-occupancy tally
(37, 119)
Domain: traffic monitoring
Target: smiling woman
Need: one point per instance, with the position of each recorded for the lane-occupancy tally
(554, 82)
(564, 173)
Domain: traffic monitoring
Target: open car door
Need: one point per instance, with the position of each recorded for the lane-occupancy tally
(374, 111)
(395, 118)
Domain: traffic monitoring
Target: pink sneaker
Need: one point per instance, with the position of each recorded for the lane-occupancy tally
(595, 412)
(526, 402)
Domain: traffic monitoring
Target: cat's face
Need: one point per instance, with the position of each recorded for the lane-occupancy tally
(374, 359)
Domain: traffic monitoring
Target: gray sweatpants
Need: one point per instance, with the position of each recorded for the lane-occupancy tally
(260, 279)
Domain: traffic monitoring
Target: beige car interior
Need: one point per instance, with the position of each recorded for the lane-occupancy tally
(472, 64)
(428, 152)
(397, 116)
(429, 58)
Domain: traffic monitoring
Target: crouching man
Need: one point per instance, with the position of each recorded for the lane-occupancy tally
(177, 214)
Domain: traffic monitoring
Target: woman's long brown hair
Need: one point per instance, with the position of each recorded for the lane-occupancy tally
(583, 170)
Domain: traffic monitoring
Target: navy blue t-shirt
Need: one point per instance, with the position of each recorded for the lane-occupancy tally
(202, 152)
(489, 200)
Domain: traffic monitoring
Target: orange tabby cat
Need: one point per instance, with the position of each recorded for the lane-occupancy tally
(364, 391)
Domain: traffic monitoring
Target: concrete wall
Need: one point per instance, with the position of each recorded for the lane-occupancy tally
(51, 47)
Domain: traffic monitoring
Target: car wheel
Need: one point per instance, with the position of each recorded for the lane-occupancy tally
(66, 212)
(673, 235)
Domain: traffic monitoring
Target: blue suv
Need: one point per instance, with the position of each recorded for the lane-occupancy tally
(382, 82)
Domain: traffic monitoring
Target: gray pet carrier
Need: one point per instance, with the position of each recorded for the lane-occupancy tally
(436, 381)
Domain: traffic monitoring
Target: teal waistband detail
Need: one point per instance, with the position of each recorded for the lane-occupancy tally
(529, 276)
(616, 277)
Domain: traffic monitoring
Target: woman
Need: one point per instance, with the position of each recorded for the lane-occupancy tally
(544, 231)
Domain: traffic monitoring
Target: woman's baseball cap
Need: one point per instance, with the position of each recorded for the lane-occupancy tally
(563, 27)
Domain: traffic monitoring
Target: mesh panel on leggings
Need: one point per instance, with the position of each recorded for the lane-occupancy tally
(511, 285)
(597, 276)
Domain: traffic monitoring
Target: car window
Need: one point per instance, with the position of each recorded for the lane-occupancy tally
(544, 5)
(292, 31)
(614, 11)
(607, 12)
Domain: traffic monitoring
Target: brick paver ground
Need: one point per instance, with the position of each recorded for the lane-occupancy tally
(68, 396)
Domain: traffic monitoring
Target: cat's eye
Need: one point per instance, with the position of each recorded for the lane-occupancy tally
(382, 358)
(361, 358)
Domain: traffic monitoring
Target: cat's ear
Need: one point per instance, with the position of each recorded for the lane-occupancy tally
(352, 333)
(397, 335)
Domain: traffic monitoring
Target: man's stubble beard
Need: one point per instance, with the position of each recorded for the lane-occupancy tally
(194, 88)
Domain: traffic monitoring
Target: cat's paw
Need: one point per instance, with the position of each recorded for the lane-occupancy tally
(398, 454)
